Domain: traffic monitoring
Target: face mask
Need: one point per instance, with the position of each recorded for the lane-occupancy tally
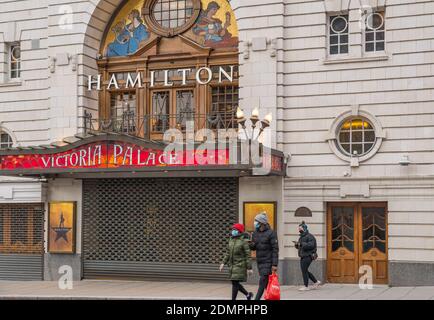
(235, 233)
(257, 225)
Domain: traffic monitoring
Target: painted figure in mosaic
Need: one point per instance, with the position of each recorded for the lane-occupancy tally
(119, 47)
(216, 33)
(128, 36)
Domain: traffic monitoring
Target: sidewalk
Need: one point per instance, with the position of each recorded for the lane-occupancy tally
(93, 289)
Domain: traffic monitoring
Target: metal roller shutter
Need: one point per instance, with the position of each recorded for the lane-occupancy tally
(157, 228)
(21, 241)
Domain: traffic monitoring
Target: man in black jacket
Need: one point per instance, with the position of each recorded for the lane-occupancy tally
(264, 241)
(307, 248)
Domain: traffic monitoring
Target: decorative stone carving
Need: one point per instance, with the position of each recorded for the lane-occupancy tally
(303, 212)
(52, 64)
(246, 51)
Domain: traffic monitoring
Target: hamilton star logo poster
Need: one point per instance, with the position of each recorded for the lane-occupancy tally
(62, 227)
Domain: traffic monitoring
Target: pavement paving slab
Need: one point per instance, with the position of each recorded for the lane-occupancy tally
(421, 293)
(393, 293)
(108, 289)
(365, 294)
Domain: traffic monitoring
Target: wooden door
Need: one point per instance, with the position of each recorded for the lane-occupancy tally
(342, 264)
(356, 236)
(373, 240)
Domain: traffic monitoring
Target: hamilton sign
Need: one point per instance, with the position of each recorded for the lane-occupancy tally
(169, 78)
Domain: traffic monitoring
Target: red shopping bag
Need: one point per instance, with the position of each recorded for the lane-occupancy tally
(273, 288)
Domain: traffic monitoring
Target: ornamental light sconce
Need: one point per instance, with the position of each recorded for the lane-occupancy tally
(254, 119)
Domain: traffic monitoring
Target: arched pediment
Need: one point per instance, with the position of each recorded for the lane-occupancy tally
(146, 27)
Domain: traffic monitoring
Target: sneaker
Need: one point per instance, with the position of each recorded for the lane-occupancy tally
(316, 285)
(250, 296)
(304, 289)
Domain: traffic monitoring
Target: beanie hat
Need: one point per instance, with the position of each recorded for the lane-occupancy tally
(262, 218)
(303, 225)
(239, 227)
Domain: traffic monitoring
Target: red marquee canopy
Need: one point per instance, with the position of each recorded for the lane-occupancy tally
(120, 153)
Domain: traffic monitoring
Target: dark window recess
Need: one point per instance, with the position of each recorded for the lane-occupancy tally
(338, 34)
(375, 32)
(173, 13)
(224, 100)
(15, 61)
(5, 140)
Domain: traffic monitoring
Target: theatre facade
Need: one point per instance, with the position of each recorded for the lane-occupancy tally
(134, 133)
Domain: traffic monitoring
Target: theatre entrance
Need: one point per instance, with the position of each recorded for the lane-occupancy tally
(157, 228)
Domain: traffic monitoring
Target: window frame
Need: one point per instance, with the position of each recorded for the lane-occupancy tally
(330, 18)
(351, 132)
(10, 142)
(10, 47)
(154, 25)
(210, 111)
(155, 57)
(382, 12)
(333, 135)
(126, 125)
(172, 108)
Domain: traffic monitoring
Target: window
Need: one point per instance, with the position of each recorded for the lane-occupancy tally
(5, 140)
(15, 61)
(173, 13)
(185, 108)
(374, 32)
(224, 101)
(173, 77)
(172, 109)
(160, 111)
(338, 34)
(170, 17)
(123, 111)
(356, 137)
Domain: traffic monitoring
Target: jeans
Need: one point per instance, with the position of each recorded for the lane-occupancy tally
(237, 286)
(263, 283)
(305, 264)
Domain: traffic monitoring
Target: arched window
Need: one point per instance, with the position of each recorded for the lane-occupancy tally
(165, 62)
(5, 140)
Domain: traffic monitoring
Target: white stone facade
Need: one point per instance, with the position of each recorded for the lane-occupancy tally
(284, 69)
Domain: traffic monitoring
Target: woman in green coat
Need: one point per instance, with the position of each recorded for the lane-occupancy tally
(238, 260)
